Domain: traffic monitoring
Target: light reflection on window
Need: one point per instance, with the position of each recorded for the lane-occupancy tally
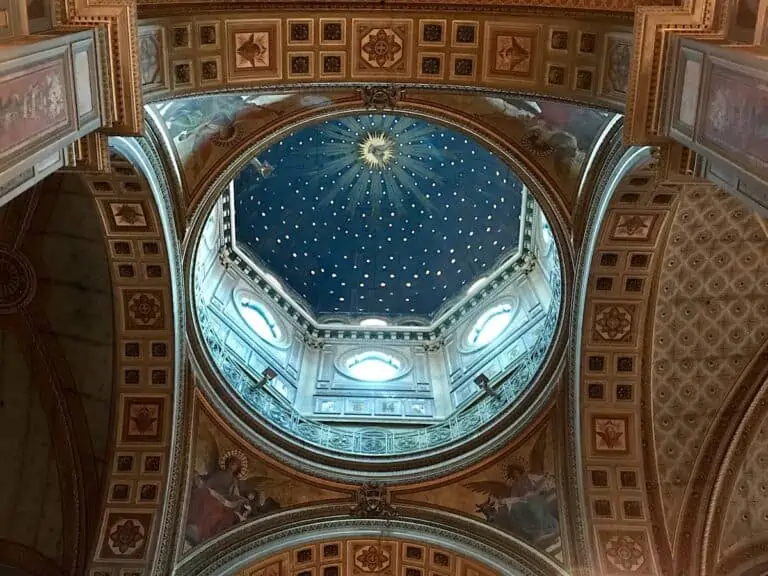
(261, 321)
(546, 232)
(490, 325)
(373, 366)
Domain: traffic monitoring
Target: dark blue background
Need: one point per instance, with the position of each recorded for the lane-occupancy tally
(397, 254)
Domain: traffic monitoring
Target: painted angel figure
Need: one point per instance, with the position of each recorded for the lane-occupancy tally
(224, 496)
(525, 503)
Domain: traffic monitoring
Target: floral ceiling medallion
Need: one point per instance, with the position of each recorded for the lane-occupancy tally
(371, 559)
(126, 536)
(382, 48)
(144, 309)
(17, 281)
(252, 50)
(625, 553)
(613, 323)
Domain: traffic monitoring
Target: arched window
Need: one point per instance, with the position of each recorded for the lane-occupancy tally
(260, 321)
(373, 323)
(490, 325)
(546, 233)
(373, 366)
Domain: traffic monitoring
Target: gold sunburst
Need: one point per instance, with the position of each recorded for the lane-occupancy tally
(376, 150)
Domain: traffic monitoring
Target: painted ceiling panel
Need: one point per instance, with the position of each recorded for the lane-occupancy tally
(378, 214)
(205, 131)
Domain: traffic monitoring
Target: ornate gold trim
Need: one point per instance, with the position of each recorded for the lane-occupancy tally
(124, 101)
(653, 26)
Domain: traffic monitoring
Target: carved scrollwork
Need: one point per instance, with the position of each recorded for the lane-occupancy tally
(433, 345)
(381, 97)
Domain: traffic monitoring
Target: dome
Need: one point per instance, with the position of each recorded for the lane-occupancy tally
(377, 286)
(380, 214)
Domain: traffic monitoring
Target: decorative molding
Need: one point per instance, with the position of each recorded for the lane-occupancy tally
(381, 98)
(122, 71)
(327, 464)
(654, 26)
(473, 539)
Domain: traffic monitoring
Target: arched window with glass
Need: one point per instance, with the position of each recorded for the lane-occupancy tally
(261, 321)
(490, 325)
(373, 366)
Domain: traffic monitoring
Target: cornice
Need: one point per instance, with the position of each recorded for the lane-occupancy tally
(623, 13)
(652, 30)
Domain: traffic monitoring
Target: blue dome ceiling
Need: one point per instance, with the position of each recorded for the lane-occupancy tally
(377, 214)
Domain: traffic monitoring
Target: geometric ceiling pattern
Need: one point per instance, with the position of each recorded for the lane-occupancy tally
(621, 281)
(135, 478)
(360, 557)
(710, 322)
(554, 56)
(660, 384)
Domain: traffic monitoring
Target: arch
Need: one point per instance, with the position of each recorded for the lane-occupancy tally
(727, 447)
(710, 292)
(619, 163)
(141, 236)
(472, 539)
(619, 354)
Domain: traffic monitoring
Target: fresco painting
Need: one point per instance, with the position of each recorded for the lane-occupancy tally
(556, 135)
(231, 485)
(517, 494)
(33, 103)
(737, 118)
(205, 128)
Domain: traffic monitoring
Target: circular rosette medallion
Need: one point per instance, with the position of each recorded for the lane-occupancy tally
(17, 281)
